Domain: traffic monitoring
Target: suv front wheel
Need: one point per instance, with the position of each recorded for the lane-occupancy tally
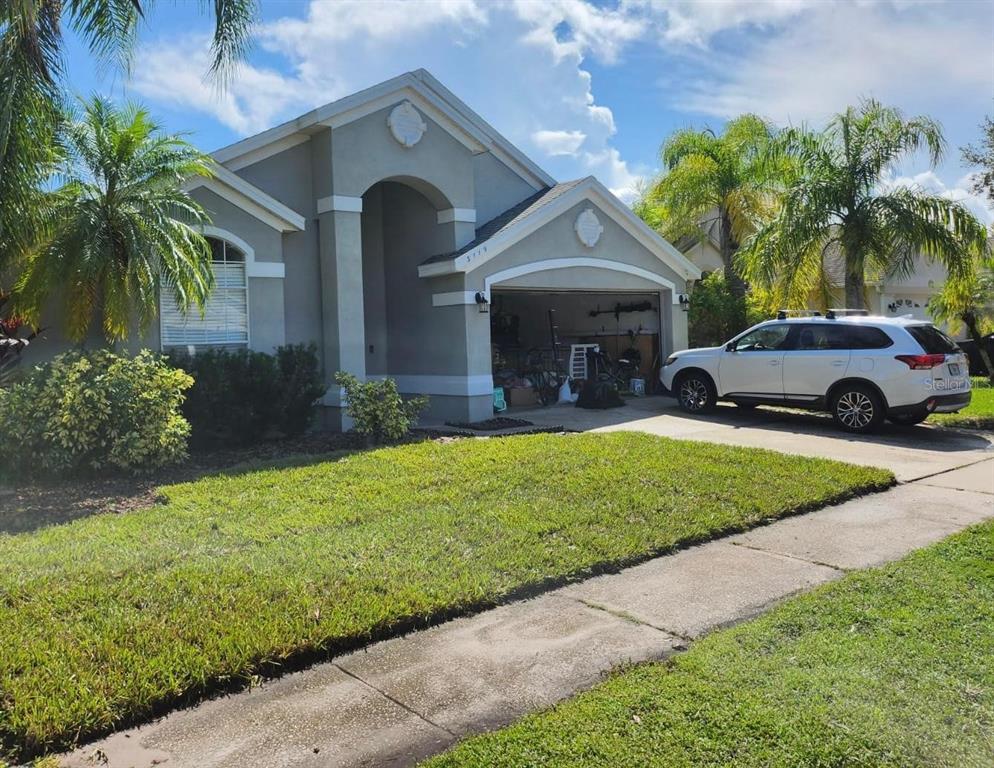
(696, 393)
(857, 408)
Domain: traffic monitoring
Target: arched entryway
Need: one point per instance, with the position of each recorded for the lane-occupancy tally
(401, 228)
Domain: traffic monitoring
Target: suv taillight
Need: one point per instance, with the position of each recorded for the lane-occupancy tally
(921, 362)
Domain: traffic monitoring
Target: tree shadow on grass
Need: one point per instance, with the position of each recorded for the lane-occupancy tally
(34, 505)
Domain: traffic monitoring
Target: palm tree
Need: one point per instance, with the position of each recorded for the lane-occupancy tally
(713, 187)
(836, 204)
(121, 226)
(32, 69)
(968, 302)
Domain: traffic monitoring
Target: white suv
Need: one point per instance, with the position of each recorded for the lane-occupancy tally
(861, 369)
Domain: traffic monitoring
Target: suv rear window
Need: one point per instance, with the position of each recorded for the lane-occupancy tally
(932, 340)
(867, 337)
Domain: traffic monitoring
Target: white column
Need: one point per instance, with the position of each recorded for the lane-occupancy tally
(344, 333)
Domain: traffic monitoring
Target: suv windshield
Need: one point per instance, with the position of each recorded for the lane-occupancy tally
(932, 340)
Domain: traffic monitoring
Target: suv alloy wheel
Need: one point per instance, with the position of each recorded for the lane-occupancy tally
(857, 408)
(696, 393)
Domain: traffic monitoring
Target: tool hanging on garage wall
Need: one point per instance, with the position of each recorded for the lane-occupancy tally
(620, 309)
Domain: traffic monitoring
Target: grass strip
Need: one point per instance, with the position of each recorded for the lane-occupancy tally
(979, 414)
(887, 667)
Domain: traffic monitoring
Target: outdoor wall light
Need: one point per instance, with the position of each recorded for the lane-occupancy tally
(684, 300)
(482, 303)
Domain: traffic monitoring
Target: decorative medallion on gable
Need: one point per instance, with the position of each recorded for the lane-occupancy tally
(588, 228)
(406, 124)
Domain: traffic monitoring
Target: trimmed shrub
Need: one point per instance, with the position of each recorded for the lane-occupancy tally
(301, 386)
(240, 397)
(715, 315)
(378, 410)
(87, 412)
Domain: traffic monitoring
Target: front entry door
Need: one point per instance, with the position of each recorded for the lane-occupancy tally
(754, 364)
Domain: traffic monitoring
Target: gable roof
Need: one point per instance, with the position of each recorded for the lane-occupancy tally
(249, 198)
(509, 218)
(419, 87)
(516, 223)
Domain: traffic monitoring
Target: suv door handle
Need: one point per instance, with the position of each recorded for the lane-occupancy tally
(774, 362)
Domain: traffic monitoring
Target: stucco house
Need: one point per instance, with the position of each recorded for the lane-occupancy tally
(384, 228)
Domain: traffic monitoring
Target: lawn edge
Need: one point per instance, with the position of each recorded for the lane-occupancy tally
(671, 659)
(300, 659)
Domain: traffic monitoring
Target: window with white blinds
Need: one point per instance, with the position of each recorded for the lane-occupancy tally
(225, 318)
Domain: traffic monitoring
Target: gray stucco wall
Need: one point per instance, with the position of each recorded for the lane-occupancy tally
(267, 317)
(265, 241)
(558, 239)
(374, 282)
(364, 152)
(422, 339)
(290, 177)
(498, 188)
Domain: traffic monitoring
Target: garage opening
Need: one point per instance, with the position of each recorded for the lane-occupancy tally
(535, 333)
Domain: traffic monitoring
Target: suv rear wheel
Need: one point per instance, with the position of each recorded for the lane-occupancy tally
(696, 393)
(857, 408)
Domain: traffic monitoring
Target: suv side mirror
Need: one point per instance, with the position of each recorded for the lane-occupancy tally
(730, 346)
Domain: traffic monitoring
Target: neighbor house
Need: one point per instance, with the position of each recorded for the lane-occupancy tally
(385, 226)
(887, 296)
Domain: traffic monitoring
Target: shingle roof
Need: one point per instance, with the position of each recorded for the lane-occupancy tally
(509, 218)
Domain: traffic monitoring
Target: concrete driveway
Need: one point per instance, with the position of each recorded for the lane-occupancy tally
(909, 452)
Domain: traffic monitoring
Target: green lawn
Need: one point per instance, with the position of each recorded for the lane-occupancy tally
(888, 667)
(112, 618)
(979, 414)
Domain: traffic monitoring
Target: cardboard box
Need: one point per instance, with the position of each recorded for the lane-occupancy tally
(521, 397)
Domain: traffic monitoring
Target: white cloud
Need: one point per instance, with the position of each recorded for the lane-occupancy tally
(524, 72)
(335, 21)
(576, 28)
(615, 173)
(833, 54)
(521, 64)
(960, 191)
(558, 142)
(174, 74)
(695, 22)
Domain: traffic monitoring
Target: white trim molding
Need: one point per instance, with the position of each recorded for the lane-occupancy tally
(587, 190)
(333, 397)
(467, 215)
(274, 269)
(580, 261)
(452, 386)
(253, 268)
(339, 203)
(424, 92)
(453, 298)
(249, 198)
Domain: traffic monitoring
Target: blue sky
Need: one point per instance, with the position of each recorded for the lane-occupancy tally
(583, 87)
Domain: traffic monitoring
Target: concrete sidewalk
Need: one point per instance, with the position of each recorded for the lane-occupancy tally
(403, 699)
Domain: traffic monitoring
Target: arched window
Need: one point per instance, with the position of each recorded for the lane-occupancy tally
(225, 319)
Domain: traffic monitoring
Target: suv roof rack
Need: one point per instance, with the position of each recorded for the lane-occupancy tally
(783, 314)
(834, 313)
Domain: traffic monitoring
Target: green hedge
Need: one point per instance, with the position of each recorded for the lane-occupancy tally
(240, 397)
(86, 412)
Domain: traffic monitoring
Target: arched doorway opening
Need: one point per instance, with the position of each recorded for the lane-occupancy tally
(400, 230)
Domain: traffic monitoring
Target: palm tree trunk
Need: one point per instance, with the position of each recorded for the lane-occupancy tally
(970, 321)
(736, 284)
(855, 286)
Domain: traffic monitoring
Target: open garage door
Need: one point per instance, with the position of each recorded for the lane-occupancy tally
(625, 325)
